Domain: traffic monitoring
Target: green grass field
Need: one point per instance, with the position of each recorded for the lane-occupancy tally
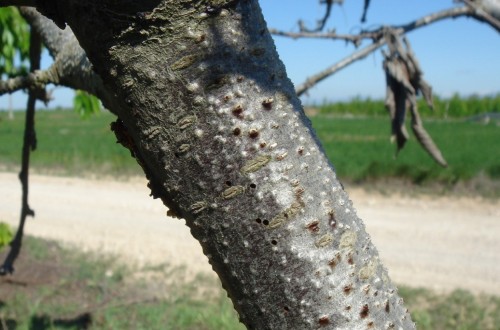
(67, 145)
(61, 288)
(359, 148)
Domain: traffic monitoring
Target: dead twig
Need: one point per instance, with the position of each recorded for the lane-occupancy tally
(322, 22)
(322, 75)
(404, 80)
(365, 10)
(331, 35)
(29, 144)
(481, 12)
(379, 41)
(34, 81)
(378, 33)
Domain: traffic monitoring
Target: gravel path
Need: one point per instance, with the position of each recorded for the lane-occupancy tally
(435, 242)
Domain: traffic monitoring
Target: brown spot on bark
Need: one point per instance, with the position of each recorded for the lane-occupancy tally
(268, 103)
(313, 226)
(364, 311)
(334, 262)
(253, 133)
(238, 111)
(282, 156)
(324, 320)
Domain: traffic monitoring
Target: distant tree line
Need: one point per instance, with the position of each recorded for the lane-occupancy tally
(454, 107)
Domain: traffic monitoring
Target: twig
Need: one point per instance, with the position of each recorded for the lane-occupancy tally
(313, 80)
(53, 37)
(482, 15)
(29, 145)
(379, 42)
(379, 32)
(322, 22)
(33, 80)
(71, 67)
(354, 38)
(365, 10)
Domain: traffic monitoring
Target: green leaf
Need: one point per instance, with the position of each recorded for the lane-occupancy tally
(86, 104)
(5, 234)
(14, 36)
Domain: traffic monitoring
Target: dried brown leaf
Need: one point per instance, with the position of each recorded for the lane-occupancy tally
(425, 139)
(403, 82)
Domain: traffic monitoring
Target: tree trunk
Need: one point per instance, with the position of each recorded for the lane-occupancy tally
(206, 107)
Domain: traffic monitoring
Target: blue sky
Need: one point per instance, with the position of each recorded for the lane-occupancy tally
(460, 55)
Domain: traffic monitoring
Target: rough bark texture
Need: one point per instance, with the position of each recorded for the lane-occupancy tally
(205, 106)
(71, 67)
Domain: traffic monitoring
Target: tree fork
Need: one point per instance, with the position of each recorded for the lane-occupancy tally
(223, 139)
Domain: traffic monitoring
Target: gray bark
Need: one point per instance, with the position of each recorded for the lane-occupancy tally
(71, 67)
(207, 109)
(492, 7)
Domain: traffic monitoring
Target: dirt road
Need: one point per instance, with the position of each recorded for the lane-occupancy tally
(434, 242)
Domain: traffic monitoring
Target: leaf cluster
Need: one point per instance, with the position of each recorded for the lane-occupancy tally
(86, 104)
(404, 81)
(14, 46)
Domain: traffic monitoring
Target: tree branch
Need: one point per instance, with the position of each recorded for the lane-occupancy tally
(379, 32)
(486, 12)
(322, 22)
(71, 65)
(35, 79)
(354, 38)
(52, 36)
(377, 35)
(365, 10)
(322, 75)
